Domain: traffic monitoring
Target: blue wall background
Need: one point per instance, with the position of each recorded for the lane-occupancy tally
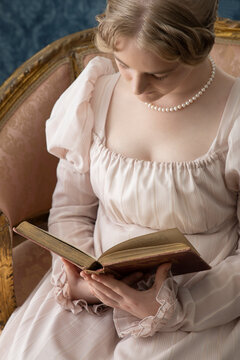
(26, 26)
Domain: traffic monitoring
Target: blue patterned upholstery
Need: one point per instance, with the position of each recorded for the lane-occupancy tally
(27, 26)
(229, 9)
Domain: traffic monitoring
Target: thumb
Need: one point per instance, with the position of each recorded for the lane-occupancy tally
(161, 274)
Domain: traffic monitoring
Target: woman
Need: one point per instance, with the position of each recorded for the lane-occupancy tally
(151, 147)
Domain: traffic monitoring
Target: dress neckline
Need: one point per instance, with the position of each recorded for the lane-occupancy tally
(213, 152)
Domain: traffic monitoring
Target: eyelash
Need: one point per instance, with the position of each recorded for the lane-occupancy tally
(160, 78)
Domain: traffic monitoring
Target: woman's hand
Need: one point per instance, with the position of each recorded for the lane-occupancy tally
(118, 294)
(78, 287)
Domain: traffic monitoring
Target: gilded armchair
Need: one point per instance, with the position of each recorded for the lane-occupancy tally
(27, 176)
(27, 171)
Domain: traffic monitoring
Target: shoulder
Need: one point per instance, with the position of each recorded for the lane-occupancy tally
(232, 167)
(69, 127)
(103, 90)
(233, 109)
(85, 83)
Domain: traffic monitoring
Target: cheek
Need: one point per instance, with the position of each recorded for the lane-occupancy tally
(170, 83)
(180, 77)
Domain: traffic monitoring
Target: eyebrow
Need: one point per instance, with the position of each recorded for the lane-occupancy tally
(157, 72)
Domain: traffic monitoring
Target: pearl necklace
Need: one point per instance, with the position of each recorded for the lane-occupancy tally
(189, 101)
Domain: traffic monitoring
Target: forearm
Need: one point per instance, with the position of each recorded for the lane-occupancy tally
(74, 208)
(72, 218)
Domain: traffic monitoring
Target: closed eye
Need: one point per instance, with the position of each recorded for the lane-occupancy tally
(155, 76)
(159, 77)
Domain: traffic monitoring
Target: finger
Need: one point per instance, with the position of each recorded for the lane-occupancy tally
(104, 298)
(117, 286)
(132, 278)
(71, 269)
(85, 276)
(162, 274)
(109, 292)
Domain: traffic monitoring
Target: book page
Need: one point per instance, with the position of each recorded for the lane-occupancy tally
(51, 243)
(142, 253)
(171, 236)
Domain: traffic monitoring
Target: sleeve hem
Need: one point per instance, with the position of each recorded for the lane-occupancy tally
(129, 325)
(75, 306)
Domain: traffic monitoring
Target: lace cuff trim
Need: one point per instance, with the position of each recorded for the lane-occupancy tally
(75, 306)
(129, 325)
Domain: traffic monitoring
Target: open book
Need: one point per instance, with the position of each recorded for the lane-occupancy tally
(142, 253)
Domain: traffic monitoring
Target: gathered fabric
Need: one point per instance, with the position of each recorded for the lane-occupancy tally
(103, 198)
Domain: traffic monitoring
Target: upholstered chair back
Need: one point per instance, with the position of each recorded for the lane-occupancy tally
(27, 171)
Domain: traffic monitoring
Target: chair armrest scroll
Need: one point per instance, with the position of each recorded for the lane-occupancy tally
(7, 296)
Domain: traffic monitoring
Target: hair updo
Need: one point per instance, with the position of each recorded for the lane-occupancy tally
(172, 29)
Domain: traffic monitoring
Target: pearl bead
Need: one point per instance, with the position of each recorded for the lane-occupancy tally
(189, 101)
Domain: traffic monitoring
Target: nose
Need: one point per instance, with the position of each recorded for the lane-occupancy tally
(139, 83)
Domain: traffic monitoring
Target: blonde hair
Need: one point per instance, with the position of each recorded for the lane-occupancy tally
(173, 29)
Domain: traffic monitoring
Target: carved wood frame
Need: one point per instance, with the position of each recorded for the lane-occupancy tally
(73, 48)
(227, 29)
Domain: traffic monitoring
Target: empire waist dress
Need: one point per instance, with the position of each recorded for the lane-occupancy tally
(103, 198)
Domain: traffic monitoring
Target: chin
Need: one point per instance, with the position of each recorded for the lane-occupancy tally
(149, 97)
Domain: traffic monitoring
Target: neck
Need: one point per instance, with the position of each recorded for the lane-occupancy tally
(193, 82)
(189, 99)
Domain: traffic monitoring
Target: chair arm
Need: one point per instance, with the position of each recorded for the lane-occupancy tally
(7, 296)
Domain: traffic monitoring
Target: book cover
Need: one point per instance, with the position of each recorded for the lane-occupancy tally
(141, 253)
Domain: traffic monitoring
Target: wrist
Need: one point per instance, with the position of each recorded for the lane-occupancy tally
(81, 290)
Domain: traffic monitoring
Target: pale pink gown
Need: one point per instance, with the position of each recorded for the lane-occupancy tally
(198, 316)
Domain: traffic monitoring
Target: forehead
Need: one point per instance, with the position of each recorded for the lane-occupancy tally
(129, 53)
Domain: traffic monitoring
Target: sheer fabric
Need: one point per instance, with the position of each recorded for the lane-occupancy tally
(103, 198)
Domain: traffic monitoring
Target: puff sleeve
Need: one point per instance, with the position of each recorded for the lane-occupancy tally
(69, 128)
(74, 205)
